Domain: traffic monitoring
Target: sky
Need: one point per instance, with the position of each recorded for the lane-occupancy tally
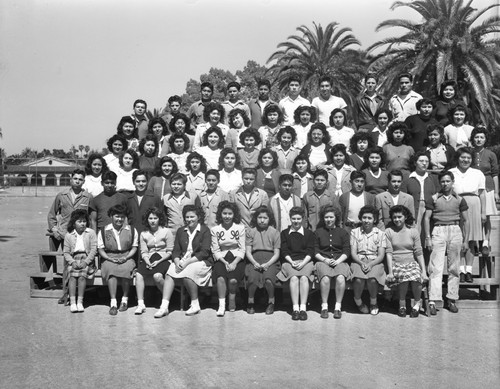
(69, 70)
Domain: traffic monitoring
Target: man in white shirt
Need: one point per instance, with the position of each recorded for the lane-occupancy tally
(403, 104)
(292, 101)
(233, 101)
(325, 103)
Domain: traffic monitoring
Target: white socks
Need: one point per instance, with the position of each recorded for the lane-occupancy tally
(324, 306)
(164, 304)
(468, 269)
(302, 307)
(113, 303)
(338, 307)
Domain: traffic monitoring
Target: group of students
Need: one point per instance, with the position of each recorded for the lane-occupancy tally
(258, 197)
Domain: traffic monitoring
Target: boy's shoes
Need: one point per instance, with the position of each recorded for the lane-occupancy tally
(452, 306)
(462, 277)
(113, 311)
(251, 309)
(432, 309)
(324, 314)
(468, 278)
(270, 309)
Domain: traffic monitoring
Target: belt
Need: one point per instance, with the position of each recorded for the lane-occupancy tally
(455, 223)
(468, 194)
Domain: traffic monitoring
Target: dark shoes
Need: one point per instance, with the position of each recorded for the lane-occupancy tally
(303, 315)
(337, 314)
(414, 312)
(270, 309)
(432, 309)
(402, 312)
(123, 307)
(462, 277)
(452, 306)
(113, 311)
(485, 250)
(64, 299)
(468, 278)
(324, 314)
(295, 315)
(363, 308)
(250, 309)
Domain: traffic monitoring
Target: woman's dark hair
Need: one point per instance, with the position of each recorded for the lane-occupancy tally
(133, 154)
(165, 159)
(319, 126)
(176, 136)
(398, 126)
(334, 112)
(416, 156)
(324, 210)
(90, 161)
(340, 148)
(425, 101)
(374, 150)
(287, 130)
(216, 130)
(238, 111)
(229, 205)
(115, 138)
(159, 121)
(439, 128)
(195, 155)
(250, 132)
(267, 211)
(226, 151)
(118, 209)
(213, 106)
(196, 209)
(369, 209)
(458, 107)
(302, 108)
(479, 130)
(157, 212)
(446, 83)
(269, 109)
(130, 120)
(383, 110)
(359, 136)
(301, 157)
(464, 150)
(148, 138)
(406, 213)
(297, 211)
(77, 214)
(185, 119)
(268, 151)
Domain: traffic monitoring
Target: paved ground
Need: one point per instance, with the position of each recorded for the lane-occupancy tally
(43, 345)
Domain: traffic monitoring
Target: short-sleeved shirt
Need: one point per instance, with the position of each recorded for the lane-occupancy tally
(267, 240)
(102, 203)
(288, 106)
(367, 243)
(446, 209)
(325, 107)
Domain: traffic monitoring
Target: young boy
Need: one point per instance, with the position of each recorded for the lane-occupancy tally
(176, 200)
(233, 101)
(140, 201)
(59, 214)
(195, 111)
(367, 104)
(447, 211)
(292, 101)
(174, 107)
(257, 105)
(212, 196)
(248, 197)
(141, 120)
(352, 202)
(316, 198)
(283, 202)
(393, 196)
(100, 204)
(325, 103)
(404, 103)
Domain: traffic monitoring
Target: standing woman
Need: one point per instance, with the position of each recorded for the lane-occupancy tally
(116, 144)
(156, 244)
(368, 245)
(457, 132)
(379, 134)
(179, 150)
(339, 175)
(128, 130)
(197, 167)
(304, 116)
(359, 145)
(441, 154)
(230, 174)
(214, 115)
(239, 121)
(192, 260)
(272, 120)
(228, 249)
(159, 184)
(94, 168)
(158, 128)
(405, 259)
(397, 152)
(267, 173)
(339, 133)
(302, 177)
(332, 250)
(129, 163)
(148, 160)
(486, 161)
(317, 150)
(470, 184)
(376, 176)
(180, 124)
(448, 98)
(286, 150)
(213, 143)
(249, 154)
(263, 252)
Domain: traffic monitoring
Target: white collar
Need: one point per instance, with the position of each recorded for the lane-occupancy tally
(299, 231)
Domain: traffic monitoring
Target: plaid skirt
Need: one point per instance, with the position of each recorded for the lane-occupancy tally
(79, 257)
(405, 272)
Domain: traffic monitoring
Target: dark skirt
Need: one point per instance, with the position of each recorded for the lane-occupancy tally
(219, 270)
(162, 268)
(287, 272)
(122, 270)
(324, 270)
(259, 278)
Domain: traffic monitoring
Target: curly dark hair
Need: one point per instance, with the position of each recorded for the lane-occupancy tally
(287, 130)
(324, 210)
(406, 213)
(228, 205)
(269, 109)
(301, 157)
(238, 111)
(130, 120)
(158, 171)
(115, 138)
(157, 212)
(225, 151)
(268, 151)
(374, 150)
(77, 214)
(159, 121)
(416, 156)
(176, 136)
(446, 83)
(118, 209)
(185, 119)
(359, 136)
(340, 148)
(464, 150)
(216, 130)
(439, 128)
(133, 154)
(458, 107)
(195, 155)
(369, 209)
(480, 130)
(302, 108)
(398, 126)
(196, 209)
(334, 112)
(381, 111)
(260, 210)
(213, 106)
(319, 126)
(90, 161)
(148, 138)
(250, 132)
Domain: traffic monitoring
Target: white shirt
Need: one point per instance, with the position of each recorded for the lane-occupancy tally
(285, 206)
(421, 180)
(93, 185)
(342, 136)
(402, 108)
(382, 137)
(302, 132)
(325, 107)
(355, 205)
(317, 155)
(472, 181)
(230, 181)
(288, 106)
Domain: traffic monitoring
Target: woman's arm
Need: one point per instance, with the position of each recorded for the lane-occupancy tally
(93, 247)
(482, 198)
(427, 229)
(144, 248)
(67, 250)
(354, 249)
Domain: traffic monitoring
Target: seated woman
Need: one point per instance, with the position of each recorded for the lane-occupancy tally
(286, 151)
(304, 116)
(229, 170)
(148, 160)
(405, 259)
(297, 251)
(228, 249)
(156, 244)
(80, 248)
(127, 128)
(94, 168)
(117, 244)
(263, 251)
(192, 260)
(116, 145)
(179, 150)
(332, 249)
(249, 154)
(368, 245)
(159, 184)
(359, 145)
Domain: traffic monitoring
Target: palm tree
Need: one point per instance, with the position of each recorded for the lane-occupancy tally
(447, 43)
(317, 52)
